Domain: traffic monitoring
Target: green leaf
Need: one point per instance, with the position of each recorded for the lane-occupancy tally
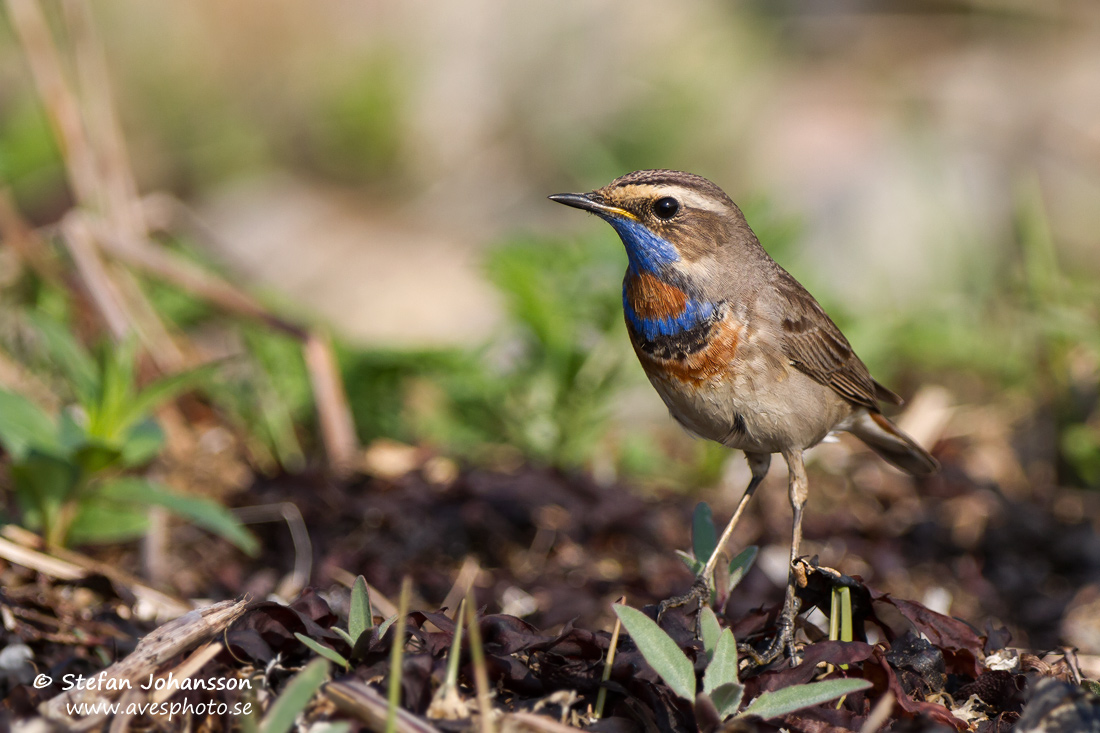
(70, 432)
(344, 635)
(360, 615)
(711, 630)
(385, 625)
(200, 511)
(142, 443)
(296, 695)
(789, 699)
(727, 698)
(95, 456)
(24, 426)
(722, 670)
(67, 354)
(339, 726)
(116, 387)
(163, 390)
(101, 522)
(741, 565)
(695, 566)
(704, 538)
(660, 651)
(330, 654)
(43, 483)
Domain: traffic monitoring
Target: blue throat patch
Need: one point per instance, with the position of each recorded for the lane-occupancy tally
(649, 253)
(646, 251)
(695, 312)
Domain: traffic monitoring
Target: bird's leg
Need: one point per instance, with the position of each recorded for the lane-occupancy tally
(700, 589)
(784, 640)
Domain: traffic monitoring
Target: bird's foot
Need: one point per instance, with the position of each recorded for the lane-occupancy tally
(696, 596)
(782, 643)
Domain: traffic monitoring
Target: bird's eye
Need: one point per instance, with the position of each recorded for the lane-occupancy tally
(666, 208)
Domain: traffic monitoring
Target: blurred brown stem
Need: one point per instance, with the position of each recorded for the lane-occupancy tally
(333, 412)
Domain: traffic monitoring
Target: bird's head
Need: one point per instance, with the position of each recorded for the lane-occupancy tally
(666, 219)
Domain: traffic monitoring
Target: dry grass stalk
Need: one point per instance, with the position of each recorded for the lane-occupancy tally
(21, 547)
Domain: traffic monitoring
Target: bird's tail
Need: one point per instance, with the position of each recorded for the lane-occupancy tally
(884, 438)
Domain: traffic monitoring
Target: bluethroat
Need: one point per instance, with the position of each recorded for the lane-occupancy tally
(739, 351)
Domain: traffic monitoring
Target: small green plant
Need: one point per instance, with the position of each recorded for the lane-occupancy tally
(720, 681)
(360, 623)
(704, 538)
(73, 473)
(296, 696)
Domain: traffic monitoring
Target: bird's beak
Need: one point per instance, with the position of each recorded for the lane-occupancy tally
(593, 202)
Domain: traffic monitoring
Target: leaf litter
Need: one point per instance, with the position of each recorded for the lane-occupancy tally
(574, 547)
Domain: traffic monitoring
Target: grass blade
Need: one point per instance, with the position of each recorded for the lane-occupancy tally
(397, 656)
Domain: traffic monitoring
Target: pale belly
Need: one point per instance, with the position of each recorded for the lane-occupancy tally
(764, 413)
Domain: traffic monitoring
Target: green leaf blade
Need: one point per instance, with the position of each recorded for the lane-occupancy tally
(24, 426)
(711, 630)
(360, 615)
(741, 565)
(704, 538)
(796, 697)
(722, 669)
(660, 651)
(200, 511)
(296, 695)
(727, 698)
(330, 654)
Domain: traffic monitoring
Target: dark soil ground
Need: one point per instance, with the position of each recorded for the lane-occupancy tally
(558, 549)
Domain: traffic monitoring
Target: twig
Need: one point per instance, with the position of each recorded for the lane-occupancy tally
(333, 411)
(115, 175)
(303, 548)
(189, 668)
(24, 548)
(171, 639)
(102, 290)
(601, 696)
(170, 267)
(60, 102)
(467, 574)
(362, 702)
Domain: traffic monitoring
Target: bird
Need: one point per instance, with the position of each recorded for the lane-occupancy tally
(738, 349)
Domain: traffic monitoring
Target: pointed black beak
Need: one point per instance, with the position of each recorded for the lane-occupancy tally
(589, 202)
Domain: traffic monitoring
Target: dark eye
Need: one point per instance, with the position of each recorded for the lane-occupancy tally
(666, 208)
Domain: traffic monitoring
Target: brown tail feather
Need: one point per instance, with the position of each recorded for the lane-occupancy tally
(884, 438)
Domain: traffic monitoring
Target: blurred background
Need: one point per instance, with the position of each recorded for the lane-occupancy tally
(379, 170)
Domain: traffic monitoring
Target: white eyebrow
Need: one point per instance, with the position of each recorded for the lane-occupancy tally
(686, 196)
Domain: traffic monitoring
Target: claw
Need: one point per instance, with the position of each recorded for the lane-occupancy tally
(783, 642)
(697, 595)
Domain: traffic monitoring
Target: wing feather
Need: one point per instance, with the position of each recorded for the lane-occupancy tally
(815, 345)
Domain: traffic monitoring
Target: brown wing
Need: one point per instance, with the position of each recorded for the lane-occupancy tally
(816, 346)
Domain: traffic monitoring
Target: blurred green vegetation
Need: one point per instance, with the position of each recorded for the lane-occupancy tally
(546, 386)
(75, 474)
